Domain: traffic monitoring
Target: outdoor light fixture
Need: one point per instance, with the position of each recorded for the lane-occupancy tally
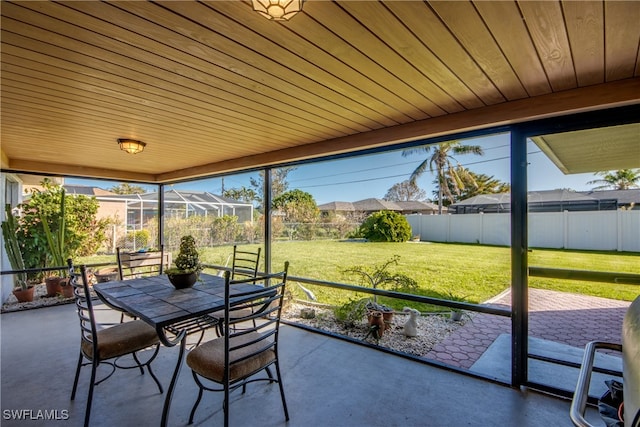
(131, 146)
(277, 10)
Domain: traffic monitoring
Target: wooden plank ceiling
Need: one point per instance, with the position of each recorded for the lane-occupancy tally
(214, 87)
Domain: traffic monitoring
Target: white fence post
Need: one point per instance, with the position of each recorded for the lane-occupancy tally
(565, 229)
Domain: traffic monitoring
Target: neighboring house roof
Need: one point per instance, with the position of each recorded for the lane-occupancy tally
(624, 197)
(418, 205)
(552, 200)
(86, 190)
(485, 199)
(337, 206)
(532, 197)
(556, 196)
(374, 205)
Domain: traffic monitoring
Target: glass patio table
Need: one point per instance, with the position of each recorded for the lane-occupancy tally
(155, 301)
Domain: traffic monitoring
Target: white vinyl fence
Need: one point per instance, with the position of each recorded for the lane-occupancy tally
(592, 230)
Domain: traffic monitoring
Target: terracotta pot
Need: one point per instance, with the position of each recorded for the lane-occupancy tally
(53, 286)
(387, 316)
(24, 295)
(67, 289)
(376, 324)
(183, 280)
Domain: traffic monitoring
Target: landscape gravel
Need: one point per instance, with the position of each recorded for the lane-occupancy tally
(39, 300)
(432, 328)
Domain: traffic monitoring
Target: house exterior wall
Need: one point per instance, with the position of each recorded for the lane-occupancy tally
(597, 230)
(10, 193)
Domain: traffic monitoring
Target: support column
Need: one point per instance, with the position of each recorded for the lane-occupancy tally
(266, 207)
(519, 248)
(161, 214)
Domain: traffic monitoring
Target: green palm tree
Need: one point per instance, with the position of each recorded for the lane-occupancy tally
(622, 179)
(485, 184)
(449, 173)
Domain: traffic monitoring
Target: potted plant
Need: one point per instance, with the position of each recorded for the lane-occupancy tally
(375, 276)
(57, 252)
(379, 317)
(188, 265)
(22, 291)
(456, 313)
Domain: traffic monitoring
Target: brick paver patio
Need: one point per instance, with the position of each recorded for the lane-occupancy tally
(556, 316)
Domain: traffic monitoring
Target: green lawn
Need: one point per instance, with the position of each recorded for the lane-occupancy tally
(475, 271)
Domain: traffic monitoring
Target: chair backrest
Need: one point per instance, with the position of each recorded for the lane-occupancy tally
(84, 306)
(260, 324)
(141, 264)
(245, 262)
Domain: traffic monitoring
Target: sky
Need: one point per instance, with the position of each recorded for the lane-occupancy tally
(369, 176)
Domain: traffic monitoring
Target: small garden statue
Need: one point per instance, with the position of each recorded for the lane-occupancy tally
(411, 327)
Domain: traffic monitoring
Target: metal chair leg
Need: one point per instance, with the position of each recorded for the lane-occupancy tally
(284, 401)
(195, 405)
(75, 381)
(87, 412)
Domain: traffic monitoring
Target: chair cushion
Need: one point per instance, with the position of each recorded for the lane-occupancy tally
(122, 339)
(237, 314)
(207, 360)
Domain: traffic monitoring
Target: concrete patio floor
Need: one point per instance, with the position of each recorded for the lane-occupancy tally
(328, 382)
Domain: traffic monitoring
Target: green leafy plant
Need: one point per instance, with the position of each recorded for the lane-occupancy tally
(84, 233)
(379, 274)
(57, 250)
(385, 226)
(457, 313)
(9, 229)
(188, 259)
(454, 297)
(351, 312)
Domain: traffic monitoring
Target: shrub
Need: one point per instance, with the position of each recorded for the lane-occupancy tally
(385, 226)
(83, 233)
(351, 312)
(136, 240)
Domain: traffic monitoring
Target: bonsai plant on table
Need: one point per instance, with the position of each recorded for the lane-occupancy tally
(188, 265)
(22, 291)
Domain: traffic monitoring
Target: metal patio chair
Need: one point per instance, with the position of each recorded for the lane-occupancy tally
(106, 345)
(235, 359)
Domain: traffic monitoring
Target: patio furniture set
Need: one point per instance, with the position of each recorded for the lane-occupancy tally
(243, 309)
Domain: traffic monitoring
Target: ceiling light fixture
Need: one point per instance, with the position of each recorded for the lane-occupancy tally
(131, 146)
(277, 10)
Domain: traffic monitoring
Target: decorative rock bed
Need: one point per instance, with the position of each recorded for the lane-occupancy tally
(431, 328)
(39, 300)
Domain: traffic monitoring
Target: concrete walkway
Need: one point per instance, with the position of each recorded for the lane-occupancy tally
(559, 317)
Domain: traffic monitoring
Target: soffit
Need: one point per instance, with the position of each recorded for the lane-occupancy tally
(214, 87)
(593, 150)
